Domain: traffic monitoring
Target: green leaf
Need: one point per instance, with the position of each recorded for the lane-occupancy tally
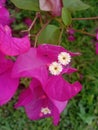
(27, 4)
(75, 5)
(66, 16)
(49, 35)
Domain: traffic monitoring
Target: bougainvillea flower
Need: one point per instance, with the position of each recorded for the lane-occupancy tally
(28, 21)
(10, 45)
(96, 45)
(96, 48)
(51, 5)
(71, 38)
(4, 16)
(70, 31)
(48, 63)
(8, 85)
(97, 35)
(38, 105)
(2, 2)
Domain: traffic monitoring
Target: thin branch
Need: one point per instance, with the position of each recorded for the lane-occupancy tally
(32, 24)
(89, 18)
(86, 33)
(37, 35)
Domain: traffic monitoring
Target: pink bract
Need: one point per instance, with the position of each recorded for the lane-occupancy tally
(71, 38)
(96, 45)
(33, 99)
(38, 60)
(4, 16)
(28, 21)
(2, 2)
(97, 35)
(8, 85)
(10, 45)
(54, 6)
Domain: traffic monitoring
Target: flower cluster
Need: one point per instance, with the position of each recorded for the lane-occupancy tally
(70, 31)
(9, 46)
(48, 92)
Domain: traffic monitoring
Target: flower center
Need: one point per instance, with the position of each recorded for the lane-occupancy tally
(45, 111)
(55, 68)
(64, 58)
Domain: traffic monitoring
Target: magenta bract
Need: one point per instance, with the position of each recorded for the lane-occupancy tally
(2, 2)
(38, 105)
(71, 38)
(28, 21)
(10, 45)
(97, 35)
(96, 45)
(4, 16)
(38, 60)
(8, 85)
(54, 6)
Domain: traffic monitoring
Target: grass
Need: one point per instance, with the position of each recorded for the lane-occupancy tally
(82, 111)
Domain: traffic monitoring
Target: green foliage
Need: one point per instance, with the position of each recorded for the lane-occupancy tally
(66, 16)
(75, 5)
(27, 4)
(49, 35)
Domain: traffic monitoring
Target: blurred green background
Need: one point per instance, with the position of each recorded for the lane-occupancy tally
(81, 112)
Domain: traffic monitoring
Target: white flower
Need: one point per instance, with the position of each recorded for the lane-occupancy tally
(45, 111)
(64, 58)
(55, 68)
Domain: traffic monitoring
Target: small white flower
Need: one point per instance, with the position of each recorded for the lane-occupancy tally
(64, 58)
(45, 111)
(55, 68)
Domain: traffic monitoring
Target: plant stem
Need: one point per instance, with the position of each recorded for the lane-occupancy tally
(60, 37)
(89, 18)
(86, 33)
(37, 35)
(32, 24)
